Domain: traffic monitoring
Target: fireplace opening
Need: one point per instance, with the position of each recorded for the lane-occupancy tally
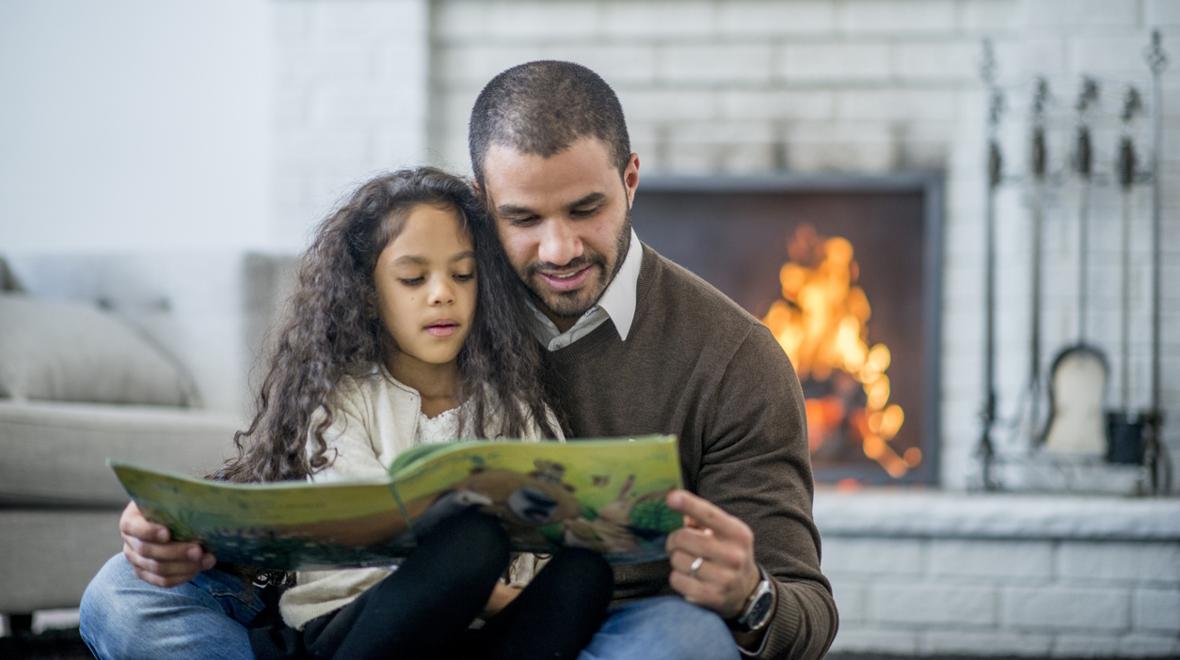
(843, 270)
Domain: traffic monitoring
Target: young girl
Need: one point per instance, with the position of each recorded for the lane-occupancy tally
(407, 327)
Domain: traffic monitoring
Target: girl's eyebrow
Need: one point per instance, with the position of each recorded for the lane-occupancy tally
(417, 260)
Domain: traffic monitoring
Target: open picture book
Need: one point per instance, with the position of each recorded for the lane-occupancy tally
(604, 494)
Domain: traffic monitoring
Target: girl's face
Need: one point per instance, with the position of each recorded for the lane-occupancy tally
(425, 280)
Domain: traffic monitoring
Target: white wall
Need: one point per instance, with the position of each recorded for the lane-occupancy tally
(134, 124)
(863, 86)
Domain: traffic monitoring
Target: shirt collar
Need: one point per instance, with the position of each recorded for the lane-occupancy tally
(620, 298)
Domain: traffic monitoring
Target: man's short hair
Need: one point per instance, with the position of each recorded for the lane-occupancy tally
(542, 108)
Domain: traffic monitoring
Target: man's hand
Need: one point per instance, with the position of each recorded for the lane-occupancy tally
(154, 557)
(722, 549)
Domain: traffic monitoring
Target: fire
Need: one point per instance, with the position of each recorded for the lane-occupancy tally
(822, 323)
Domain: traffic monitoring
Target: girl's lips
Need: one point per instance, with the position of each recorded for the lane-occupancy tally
(566, 283)
(445, 329)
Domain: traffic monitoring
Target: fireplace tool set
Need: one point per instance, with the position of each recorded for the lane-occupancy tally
(1077, 429)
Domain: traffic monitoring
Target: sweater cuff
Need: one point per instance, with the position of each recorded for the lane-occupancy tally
(782, 629)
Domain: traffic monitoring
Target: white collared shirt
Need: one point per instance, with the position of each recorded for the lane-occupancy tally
(617, 303)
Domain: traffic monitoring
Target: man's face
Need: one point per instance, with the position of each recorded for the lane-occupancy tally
(564, 221)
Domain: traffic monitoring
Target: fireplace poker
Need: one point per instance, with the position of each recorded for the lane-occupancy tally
(1125, 428)
(986, 450)
(1038, 162)
(1156, 459)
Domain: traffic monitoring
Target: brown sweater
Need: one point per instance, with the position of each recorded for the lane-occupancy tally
(698, 366)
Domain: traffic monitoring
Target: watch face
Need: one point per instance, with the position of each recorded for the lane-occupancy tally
(760, 610)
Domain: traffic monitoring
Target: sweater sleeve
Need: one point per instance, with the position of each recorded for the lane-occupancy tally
(755, 465)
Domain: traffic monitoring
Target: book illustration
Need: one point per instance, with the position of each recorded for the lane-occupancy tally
(605, 495)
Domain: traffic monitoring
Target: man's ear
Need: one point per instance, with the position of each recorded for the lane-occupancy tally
(631, 178)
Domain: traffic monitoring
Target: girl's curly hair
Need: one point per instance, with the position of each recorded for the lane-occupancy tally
(333, 330)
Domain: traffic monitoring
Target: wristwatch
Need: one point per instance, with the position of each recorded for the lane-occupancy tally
(759, 607)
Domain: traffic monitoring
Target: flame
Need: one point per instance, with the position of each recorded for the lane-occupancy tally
(822, 324)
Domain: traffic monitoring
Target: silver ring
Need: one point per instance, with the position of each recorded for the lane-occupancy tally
(694, 568)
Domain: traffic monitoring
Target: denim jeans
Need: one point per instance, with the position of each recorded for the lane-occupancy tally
(125, 618)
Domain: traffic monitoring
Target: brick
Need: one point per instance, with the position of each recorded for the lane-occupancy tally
(1100, 54)
(715, 63)
(714, 157)
(989, 16)
(1156, 610)
(1028, 560)
(897, 104)
(835, 62)
(760, 18)
(1063, 607)
(369, 21)
(850, 599)
(333, 105)
(1158, 646)
(965, 642)
(854, 556)
(691, 18)
(463, 21)
(876, 640)
(897, 17)
(947, 61)
(668, 104)
(476, 64)
(777, 104)
(860, 147)
(1071, 645)
(1162, 12)
(1099, 13)
(1139, 562)
(619, 64)
(927, 604)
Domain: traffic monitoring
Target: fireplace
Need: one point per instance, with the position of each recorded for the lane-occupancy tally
(844, 271)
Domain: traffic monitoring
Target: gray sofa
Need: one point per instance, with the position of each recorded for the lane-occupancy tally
(133, 357)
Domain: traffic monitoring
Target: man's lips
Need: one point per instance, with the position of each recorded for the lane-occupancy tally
(566, 280)
(442, 328)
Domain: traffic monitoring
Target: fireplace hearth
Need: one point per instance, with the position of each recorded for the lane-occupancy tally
(844, 271)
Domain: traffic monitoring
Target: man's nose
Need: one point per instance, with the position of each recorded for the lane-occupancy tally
(560, 244)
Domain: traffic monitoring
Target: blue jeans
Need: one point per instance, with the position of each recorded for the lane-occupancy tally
(124, 617)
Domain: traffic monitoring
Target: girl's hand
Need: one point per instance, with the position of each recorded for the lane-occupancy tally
(154, 557)
(502, 594)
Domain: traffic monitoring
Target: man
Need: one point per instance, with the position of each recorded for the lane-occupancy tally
(636, 345)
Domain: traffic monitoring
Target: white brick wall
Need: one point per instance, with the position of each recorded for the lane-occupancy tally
(991, 596)
(351, 100)
(856, 86)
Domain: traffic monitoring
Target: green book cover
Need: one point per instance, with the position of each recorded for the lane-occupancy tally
(603, 494)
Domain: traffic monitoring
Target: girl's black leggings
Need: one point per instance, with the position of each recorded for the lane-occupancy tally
(424, 608)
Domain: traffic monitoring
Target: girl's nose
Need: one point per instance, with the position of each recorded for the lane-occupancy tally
(441, 293)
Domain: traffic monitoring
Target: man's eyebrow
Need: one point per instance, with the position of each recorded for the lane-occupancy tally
(513, 210)
(588, 200)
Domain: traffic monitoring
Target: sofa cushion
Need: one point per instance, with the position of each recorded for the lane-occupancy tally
(66, 351)
(55, 453)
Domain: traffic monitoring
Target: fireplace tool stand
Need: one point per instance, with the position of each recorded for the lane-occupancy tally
(1127, 436)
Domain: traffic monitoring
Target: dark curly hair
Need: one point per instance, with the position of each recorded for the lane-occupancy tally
(333, 330)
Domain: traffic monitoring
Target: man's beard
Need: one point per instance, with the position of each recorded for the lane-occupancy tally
(567, 305)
